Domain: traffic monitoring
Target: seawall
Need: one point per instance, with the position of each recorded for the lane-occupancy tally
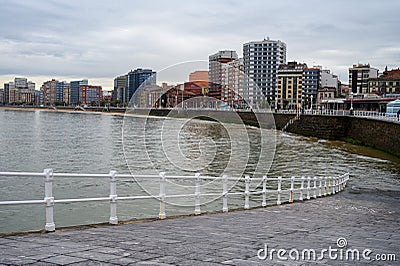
(379, 134)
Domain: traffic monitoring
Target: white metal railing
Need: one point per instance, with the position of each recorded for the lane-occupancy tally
(305, 187)
(367, 114)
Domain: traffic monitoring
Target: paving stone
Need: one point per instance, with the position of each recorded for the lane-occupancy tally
(232, 238)
(63, 260)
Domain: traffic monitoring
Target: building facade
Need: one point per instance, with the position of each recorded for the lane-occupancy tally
(74, 91)
(234, 80)
(120, 89)
(290, 83)
(217, 64)
(198, 75)
(19, 91)
(6, 98)
(91, 95)
(139, 79)
(386, 84)
(260, 62)
(311, 84)
(359, 76)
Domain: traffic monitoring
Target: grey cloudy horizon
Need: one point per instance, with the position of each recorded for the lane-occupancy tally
(100, 40)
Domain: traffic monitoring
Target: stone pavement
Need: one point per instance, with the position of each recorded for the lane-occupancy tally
(368, 220)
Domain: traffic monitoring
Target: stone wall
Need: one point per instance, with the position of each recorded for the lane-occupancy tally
(383, 135)
(379, 134)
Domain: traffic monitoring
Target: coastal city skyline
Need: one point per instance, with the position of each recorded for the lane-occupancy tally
(55, 40)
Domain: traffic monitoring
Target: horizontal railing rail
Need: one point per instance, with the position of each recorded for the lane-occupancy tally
(332, 112)
(302, 188)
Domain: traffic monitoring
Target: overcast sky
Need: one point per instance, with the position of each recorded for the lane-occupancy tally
(99, 40)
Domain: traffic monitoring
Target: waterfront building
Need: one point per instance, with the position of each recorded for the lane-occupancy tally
(38, 97)
(19, 91)
(359, 76)
(62, 92)
(311, 84)
(217, 64)
(49, 91)
(290, 83)
(1, 96)
(137, 78)
(261, 60)
(386, 84)
(120, 89)
(234, 80)
(75, 98)
(6, 93)
(91, 95)
(198, 75)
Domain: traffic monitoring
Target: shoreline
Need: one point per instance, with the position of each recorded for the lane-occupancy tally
(63, 110)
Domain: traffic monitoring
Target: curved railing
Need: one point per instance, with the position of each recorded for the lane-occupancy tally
(283, 189)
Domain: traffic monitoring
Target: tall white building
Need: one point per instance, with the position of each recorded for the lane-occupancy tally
(260, 62)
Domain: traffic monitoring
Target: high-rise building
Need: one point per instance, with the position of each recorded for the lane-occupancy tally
(233, 90)
(120, 89)
(311, 84)
(217, 64)
(49, 91)
(136, 78)
(261, 60)
(91, 95)
(19, 91)
(6, 93)
(290, 83)
(1, 96)
(62, 92)
(358, 78)
(74, 92)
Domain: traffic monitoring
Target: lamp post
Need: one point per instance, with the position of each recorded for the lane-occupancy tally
(311, 102)
(351, 102)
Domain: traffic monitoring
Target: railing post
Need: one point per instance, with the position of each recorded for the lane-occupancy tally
(113, 198)
(320, 187)
(246, 192)
(197, 210)
(326, 186)
(333, 188)
(162, 196)
(291, 189)
(315, 188)
(49, 200)
(264, 191)
(338, 184)
(225, 193)
(308, 187)
(278, 201)
(301, 188)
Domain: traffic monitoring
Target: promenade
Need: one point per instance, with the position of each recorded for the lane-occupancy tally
(366, 219)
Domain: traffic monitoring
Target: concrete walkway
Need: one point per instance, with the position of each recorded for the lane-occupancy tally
(369, 220)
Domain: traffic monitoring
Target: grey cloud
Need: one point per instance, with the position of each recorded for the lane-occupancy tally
(107, 38)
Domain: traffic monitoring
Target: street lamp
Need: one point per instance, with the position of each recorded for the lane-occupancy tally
(351, 102)
(311, 102)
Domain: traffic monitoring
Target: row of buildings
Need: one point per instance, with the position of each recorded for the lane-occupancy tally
(52, 92)
(262, 78)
